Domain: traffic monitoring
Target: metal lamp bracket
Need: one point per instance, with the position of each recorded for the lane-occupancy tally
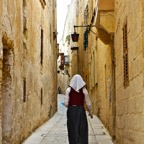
(88, 26)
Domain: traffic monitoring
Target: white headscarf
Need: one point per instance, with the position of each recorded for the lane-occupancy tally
(77, 82)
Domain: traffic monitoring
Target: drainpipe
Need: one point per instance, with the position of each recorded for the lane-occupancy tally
(114, 88)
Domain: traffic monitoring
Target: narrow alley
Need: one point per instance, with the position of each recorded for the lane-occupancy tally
(55, 130)
(44, 43)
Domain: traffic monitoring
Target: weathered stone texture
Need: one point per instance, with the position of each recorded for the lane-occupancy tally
(105, 83)
(95, 62)
(98, 60)
(29, 67)
(129, 108)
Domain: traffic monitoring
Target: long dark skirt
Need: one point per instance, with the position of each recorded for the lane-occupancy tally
(77, 125)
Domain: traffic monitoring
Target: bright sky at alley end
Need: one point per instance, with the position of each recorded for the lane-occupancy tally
(61, 16)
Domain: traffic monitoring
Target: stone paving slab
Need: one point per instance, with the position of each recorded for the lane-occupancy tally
(99, 131)
(42, 131)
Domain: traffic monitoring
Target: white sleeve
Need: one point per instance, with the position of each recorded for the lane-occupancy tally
(66, 101)
(87, 99)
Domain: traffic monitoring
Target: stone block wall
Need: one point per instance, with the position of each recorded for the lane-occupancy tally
(129, 100)
(95, 62)
(105, 87)
(100, 64)
(28, 70)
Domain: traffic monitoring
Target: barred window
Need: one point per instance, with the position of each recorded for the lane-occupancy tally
(125, 56)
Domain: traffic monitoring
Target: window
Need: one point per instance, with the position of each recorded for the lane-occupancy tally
(25, 25)
(24, 3)
(50, 35)
(41, 55)
(41, 96)
(24, 90)
(125, 56)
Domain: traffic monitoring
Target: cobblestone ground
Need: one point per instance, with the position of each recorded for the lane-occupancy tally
(55, 130)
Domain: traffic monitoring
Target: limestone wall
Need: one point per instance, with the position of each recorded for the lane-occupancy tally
(100, 73)
(129, 106)
(29, 67)
(105, 86)
(95, 62)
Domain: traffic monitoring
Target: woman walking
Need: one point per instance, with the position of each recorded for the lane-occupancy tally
(76, 96)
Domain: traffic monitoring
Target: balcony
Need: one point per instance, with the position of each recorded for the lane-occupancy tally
(105, 19)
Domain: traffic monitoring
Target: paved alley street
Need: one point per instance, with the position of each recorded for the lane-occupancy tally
(88, 53)
(55, 130)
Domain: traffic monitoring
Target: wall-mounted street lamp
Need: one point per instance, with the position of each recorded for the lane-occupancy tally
(75, 35)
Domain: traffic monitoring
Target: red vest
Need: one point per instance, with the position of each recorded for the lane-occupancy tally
(76, 98)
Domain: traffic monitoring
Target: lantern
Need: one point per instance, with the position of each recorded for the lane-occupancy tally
(75, 37)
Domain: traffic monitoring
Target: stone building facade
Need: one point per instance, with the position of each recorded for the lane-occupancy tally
(111, 63)
(95, 21)
(28, 50)
(129, 53)
(103, 88)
